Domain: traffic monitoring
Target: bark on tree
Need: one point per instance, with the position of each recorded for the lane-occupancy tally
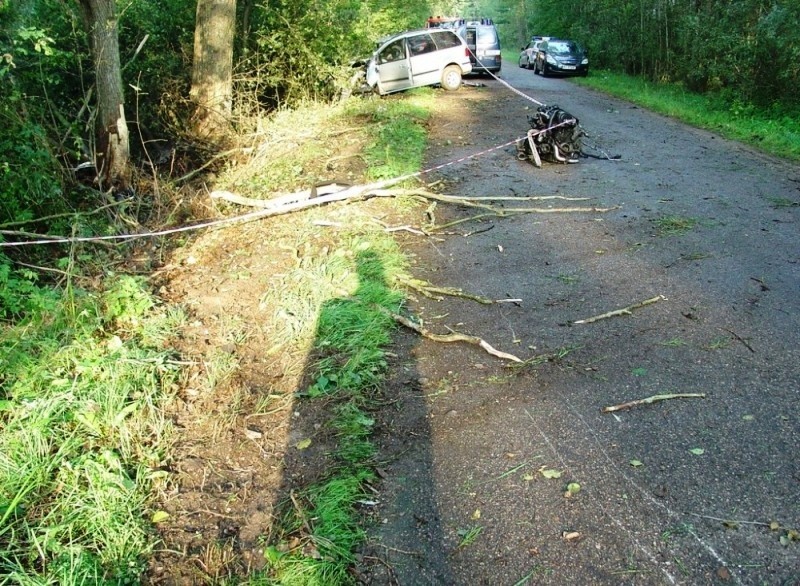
(111, 129)
(212, 70)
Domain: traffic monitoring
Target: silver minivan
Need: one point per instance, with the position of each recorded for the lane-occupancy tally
(418, 58)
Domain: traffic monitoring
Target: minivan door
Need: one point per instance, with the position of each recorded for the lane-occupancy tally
(426, 61)
(394, 72)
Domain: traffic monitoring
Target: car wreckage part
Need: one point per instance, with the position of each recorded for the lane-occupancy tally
(555, 136)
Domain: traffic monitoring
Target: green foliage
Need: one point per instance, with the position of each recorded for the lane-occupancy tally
(161, 71)
(126, 300)
(20, 296)
(34, 95)
(747, 51)
(301, 49)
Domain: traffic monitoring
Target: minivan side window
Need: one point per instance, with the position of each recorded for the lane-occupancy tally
(395, 51)
(420, 44)
(447, 40)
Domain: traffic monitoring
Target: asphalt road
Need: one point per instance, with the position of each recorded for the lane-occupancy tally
(682, 491)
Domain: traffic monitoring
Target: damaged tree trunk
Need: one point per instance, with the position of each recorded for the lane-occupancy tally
(112, 152)
(212, 69)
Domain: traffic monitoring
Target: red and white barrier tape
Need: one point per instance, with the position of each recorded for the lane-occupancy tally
(505, 83)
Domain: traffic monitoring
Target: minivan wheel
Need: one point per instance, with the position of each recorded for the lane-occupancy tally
(451, 78)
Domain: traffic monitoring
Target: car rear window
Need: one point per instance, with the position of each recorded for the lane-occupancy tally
(446, 39)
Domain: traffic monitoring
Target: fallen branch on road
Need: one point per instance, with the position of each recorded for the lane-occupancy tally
(307, 198)
(452, 337)
(434, 292)
(624, 311)
(653, 399)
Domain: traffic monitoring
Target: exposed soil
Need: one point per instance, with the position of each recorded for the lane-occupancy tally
(465, 436)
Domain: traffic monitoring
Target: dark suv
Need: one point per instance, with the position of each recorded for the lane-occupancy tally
(484, 44)
(561, 57)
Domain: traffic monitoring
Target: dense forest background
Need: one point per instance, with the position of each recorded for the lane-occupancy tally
(289, 51)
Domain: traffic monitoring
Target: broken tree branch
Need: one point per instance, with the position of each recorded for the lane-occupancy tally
(653, 399)
(494, 212)
(453, 337)
(434, 292)
(303, 199)
(624, 311)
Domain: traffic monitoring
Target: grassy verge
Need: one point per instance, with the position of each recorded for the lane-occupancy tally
(84, 376)
(772, 131)
(344, 286)
(81, 431)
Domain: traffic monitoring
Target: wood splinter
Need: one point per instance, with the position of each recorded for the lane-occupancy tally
(653, 399)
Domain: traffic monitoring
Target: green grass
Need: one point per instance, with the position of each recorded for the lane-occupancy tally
(401, 136)
(673, 343)
(674, 225)
(783, 202)
(352, 331)
(82, 435)
(773, 131)
(469, 536)
(719, 344)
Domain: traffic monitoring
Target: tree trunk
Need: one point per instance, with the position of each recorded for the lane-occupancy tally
(212, 70)
(112, 152)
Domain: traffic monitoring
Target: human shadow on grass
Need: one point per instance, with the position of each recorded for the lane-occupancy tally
(361, 441)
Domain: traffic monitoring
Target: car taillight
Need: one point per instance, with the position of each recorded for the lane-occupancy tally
(467, 51)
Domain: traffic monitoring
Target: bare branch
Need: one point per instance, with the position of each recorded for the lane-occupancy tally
(624, 311)
(653, 399)
(453, 337)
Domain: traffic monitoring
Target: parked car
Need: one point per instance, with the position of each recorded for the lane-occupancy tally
(561, 56)
(484, 43)
(527, 56)
(418, 58)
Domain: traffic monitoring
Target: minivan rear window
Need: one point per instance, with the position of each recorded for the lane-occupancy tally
(487, 35)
